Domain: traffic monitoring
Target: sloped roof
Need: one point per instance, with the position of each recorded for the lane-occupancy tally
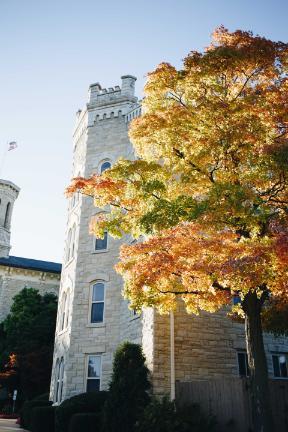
(31, 264)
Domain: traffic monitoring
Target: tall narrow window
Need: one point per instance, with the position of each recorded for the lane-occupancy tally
(280, 365)
(243, 366)
(73, 240)
(97, 303)
(101, 243)
(57, 378)
(93, 374)
(67, 309)
(63, 320)
(7, 215)
(61, 379)
(105, 165)
(68, 245)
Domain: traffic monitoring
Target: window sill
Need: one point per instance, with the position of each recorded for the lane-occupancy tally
(280, 378)
(96, 325)
(100, 251)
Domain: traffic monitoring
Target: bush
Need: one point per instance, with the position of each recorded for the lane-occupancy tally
(43, 396)
(26, 411)
(82, 403)
(165, 416)
(88, 422)
(43, 419)
(128, 391)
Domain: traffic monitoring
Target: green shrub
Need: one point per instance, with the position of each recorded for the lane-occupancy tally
(83, 403)
(88, 422)
(43, 419)
(43, 396)
(128, 390)
(26, 411)
(165, 416)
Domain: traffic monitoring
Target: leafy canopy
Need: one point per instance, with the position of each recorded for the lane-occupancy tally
(28, 332)
(209, 188)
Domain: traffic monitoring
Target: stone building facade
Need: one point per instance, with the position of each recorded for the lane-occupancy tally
(17, 273)
(93, 318)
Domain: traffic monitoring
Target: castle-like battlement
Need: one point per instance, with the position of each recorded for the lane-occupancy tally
(99, 96)
(106, 104)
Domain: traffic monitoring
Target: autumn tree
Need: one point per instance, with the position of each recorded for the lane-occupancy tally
(208, 190)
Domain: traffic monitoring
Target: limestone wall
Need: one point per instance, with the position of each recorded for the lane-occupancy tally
(205, 348)
(13, 280)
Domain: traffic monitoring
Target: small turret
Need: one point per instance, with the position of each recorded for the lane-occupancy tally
(94, 90)
(128, 85)
(8, 194)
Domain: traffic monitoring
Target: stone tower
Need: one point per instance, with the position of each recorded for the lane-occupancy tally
(93, 318)
(19, 272)
(8, 194)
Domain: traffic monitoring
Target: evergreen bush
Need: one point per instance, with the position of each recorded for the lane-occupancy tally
(165, 416)
(43, 419)
(88, 422)
(43, 396)
(128, 390)
(26, 411)
(83, 403)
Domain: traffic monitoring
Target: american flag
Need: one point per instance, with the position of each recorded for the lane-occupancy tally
(12, 145)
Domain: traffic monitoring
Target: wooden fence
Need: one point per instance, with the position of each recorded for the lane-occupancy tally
(228, 400)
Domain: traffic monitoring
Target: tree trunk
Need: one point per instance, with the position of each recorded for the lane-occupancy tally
(260, 399)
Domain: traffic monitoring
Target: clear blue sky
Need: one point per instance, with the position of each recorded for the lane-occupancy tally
(51, 50)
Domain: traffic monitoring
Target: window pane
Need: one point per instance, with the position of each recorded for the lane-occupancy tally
(101, 243)
(236, 300)
(105, 166)
(276, 366)
(94, 367)
(242, 364)
(283, 365)
(98, 292)
(93, 385)
(97, 312)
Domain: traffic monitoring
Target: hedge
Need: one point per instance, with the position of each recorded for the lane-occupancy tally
(43, 419)
(83, 403)
(88, 422)
(165, 416)
(26, 411)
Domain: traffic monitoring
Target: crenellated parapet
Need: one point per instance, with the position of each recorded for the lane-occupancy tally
(99, 96)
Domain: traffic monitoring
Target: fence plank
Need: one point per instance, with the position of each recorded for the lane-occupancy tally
(229, 401)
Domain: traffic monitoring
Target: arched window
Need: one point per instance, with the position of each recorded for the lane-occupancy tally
(97, 302)
(7, 215)
(105, 165)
